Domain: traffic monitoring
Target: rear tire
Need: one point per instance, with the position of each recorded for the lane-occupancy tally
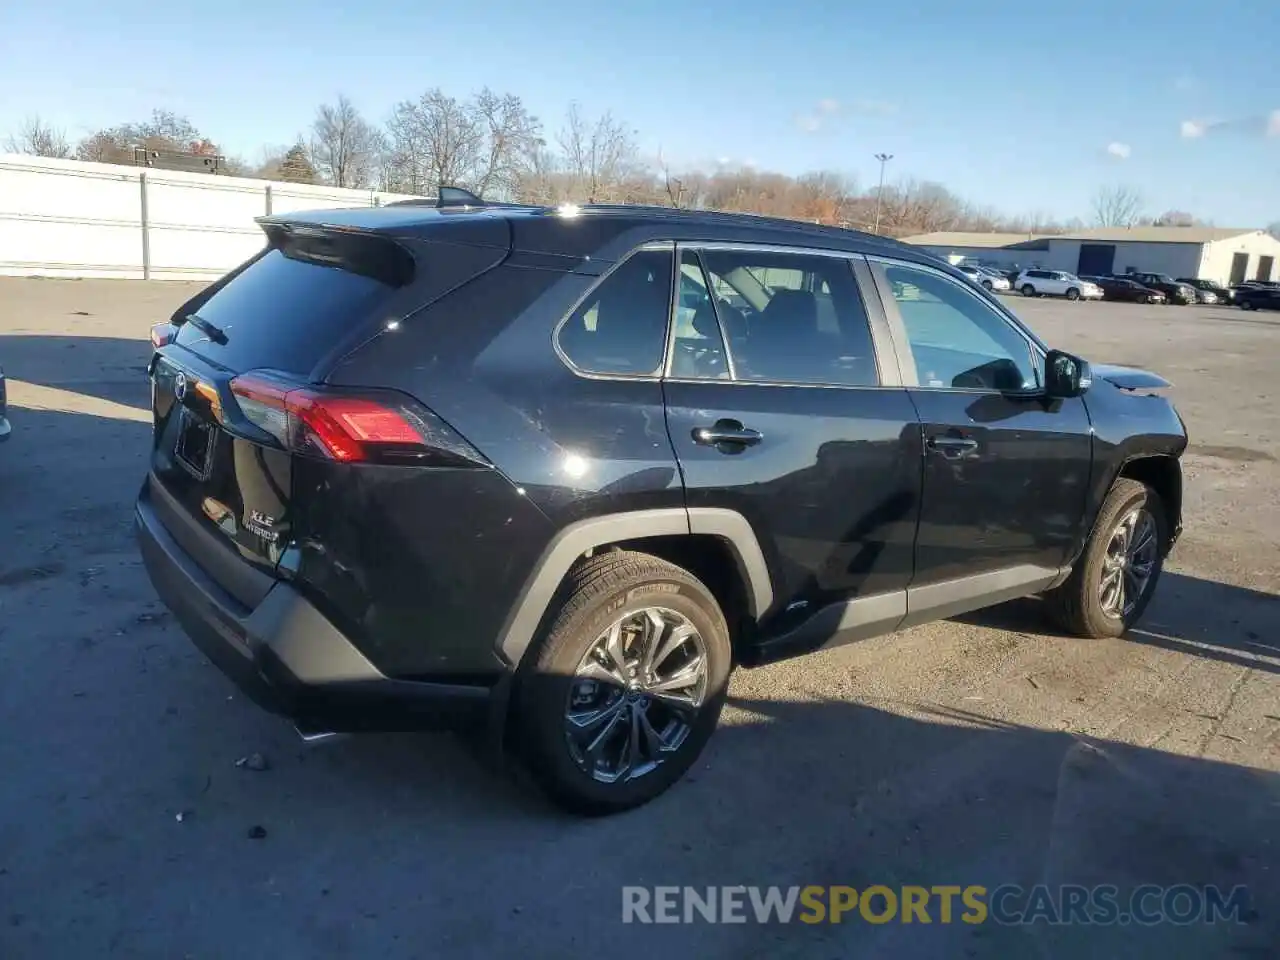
(587, 709)
(1080, 605)
(1246, 304)
(1028, 290)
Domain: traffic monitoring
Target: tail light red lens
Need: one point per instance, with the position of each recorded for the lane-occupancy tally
(349, 427)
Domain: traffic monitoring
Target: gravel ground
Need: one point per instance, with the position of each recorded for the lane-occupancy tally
(985, 750)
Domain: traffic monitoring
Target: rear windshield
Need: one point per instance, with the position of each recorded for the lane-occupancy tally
(284, 313)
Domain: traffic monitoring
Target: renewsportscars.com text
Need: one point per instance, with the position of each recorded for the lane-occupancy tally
(941, 903)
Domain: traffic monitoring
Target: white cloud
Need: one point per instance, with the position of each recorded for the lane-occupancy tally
(829, 106)
(881, 107)
(1273, 124)
(1191, 129)
(1120, 151)
(809, 123)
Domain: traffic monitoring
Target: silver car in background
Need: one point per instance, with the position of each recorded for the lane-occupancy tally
(985, 277)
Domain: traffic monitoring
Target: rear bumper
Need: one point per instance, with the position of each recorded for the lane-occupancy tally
(290, 659)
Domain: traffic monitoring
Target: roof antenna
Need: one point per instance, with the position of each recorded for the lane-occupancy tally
(457, 197)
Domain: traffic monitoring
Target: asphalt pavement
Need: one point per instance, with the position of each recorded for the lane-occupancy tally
(986, 750)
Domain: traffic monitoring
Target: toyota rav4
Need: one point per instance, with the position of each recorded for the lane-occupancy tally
(553, 473)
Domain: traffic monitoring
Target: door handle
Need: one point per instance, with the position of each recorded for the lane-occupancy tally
(728, 433)
(952, 447)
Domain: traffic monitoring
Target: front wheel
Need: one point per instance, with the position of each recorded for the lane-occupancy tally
(626, 685)
(1028, 290)
(988, 285)
(1073, 293)
(1115, 577)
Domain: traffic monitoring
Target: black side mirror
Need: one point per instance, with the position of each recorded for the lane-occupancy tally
(1065, 375)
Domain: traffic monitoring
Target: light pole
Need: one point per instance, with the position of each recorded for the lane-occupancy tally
(883, 158)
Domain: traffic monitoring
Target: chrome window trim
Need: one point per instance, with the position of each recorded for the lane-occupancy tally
(1037, 352)
(667, 246)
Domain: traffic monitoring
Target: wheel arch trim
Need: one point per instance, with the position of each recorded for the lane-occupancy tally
(575, 540)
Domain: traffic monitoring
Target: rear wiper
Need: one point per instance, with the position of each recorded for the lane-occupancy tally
(210, 330)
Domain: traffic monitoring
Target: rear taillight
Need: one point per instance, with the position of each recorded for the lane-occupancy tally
(162, 334)
(350, 426)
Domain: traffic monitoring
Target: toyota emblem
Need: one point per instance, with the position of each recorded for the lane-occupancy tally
(180, 386)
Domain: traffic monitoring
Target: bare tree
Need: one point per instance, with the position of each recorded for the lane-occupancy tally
(673, 186)
(1175, 218)
(599, 155)
(512, 136)
(1116, 206)
(438, 141)
(163, 131)
(344, 146)
(39, 139)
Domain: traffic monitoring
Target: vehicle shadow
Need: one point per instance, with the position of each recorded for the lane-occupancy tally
(1201, 618)
(107, 368)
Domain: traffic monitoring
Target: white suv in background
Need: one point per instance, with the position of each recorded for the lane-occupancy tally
(1056, 283)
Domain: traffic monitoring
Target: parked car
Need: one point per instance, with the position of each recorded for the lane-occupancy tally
(1119, 288)
(1056, 283)
(1182, 293)
(1258, 297)
(984, 277)
(5, 428)
(1204, 288)
(399, 480)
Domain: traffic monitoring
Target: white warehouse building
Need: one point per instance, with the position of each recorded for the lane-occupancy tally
(1224, 255)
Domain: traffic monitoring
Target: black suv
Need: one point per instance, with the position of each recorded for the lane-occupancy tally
(1258, 296)
(1174, 290)
(553, 473)
(1224, 294)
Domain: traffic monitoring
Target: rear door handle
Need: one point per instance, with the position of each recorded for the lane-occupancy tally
(727, 433)
(952, 446)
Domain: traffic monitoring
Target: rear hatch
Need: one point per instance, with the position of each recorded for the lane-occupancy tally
(238, 386)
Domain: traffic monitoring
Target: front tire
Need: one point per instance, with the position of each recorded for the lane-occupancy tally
(625, 686)
(1116, 576)
(1073, 293)
(988, 286)
(1028, 290)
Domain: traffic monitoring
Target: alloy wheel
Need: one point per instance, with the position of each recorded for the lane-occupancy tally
(1129, 563)
(636, 694)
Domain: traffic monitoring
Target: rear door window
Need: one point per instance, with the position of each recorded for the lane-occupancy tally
(285, 313)
(792, 318)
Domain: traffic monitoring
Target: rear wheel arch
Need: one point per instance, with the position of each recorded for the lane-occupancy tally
(716, 545)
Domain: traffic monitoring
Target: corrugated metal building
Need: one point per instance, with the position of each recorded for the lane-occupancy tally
(1209, 253)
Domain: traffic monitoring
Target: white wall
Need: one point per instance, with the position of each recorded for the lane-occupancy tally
(67, 218)
(1216, 263)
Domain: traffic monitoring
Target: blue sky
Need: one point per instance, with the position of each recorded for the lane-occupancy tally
(1021, 108)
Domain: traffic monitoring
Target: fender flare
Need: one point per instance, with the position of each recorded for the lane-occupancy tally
(573, 541)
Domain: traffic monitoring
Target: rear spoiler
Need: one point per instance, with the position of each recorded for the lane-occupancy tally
(368, 253)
